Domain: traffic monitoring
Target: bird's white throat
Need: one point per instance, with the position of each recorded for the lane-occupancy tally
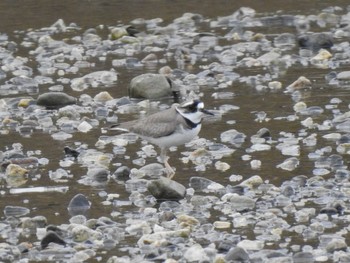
(195, 117)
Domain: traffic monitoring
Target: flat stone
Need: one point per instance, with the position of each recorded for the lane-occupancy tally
(251, 244)
(238, 202)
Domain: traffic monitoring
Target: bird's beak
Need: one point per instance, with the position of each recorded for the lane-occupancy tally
(206, 112)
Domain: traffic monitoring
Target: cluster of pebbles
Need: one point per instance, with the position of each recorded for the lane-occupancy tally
(49, 90)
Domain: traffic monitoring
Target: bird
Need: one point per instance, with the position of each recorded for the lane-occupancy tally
(174, 126)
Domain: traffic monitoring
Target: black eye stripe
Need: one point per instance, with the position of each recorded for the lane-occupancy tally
(193, 107)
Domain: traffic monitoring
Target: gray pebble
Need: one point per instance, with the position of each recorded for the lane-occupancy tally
(166, 189)
(55, 99)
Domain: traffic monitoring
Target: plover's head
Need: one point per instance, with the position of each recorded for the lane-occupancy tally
(193, 110)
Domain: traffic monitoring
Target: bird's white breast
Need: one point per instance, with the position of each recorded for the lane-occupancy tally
(181, 136)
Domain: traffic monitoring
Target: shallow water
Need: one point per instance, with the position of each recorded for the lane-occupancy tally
(16, 16)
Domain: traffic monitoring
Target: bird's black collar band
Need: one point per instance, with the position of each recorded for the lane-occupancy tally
(191, 124)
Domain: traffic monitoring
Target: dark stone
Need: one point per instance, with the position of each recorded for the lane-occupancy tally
(53, 228)
(329, 211)
(51, 237)
(315, 41)
(333, 209)
(98, 175)
(53, 100)
(225, 245)
(264, 133)
(122, 173)
(132, 31)
(339, 207)
(71, 152)
(344, 139)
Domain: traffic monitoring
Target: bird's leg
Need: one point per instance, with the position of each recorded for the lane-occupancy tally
(164, 158)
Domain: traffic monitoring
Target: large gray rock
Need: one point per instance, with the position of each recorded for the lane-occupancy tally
(150, 86)
(55, 100)
(166, 189)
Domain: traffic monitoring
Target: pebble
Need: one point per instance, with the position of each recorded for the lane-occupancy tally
(240, 203)
(195, 254)
(117, 32)
(301, 83)
(150, 86)
(55, 100)
(251, 244)
(16, 175)
(344, 75)
(222, 166)
(253, 182)
(221, 224)
(84, 127)
(166, 189)
(51, 237)
(16, 211)
(205, 185)
(103, 97)
(237, 254)
(122, 173)
(93, 80)
(315, 41)
(78, 205)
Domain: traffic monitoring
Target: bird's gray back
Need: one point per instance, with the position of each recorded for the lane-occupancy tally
(156, 125)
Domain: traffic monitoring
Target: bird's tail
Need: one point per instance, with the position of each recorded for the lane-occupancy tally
(116, 127)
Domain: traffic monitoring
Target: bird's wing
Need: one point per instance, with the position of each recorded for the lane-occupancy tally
(156, 125)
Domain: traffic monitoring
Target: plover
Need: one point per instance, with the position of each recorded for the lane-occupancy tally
(172, 127)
